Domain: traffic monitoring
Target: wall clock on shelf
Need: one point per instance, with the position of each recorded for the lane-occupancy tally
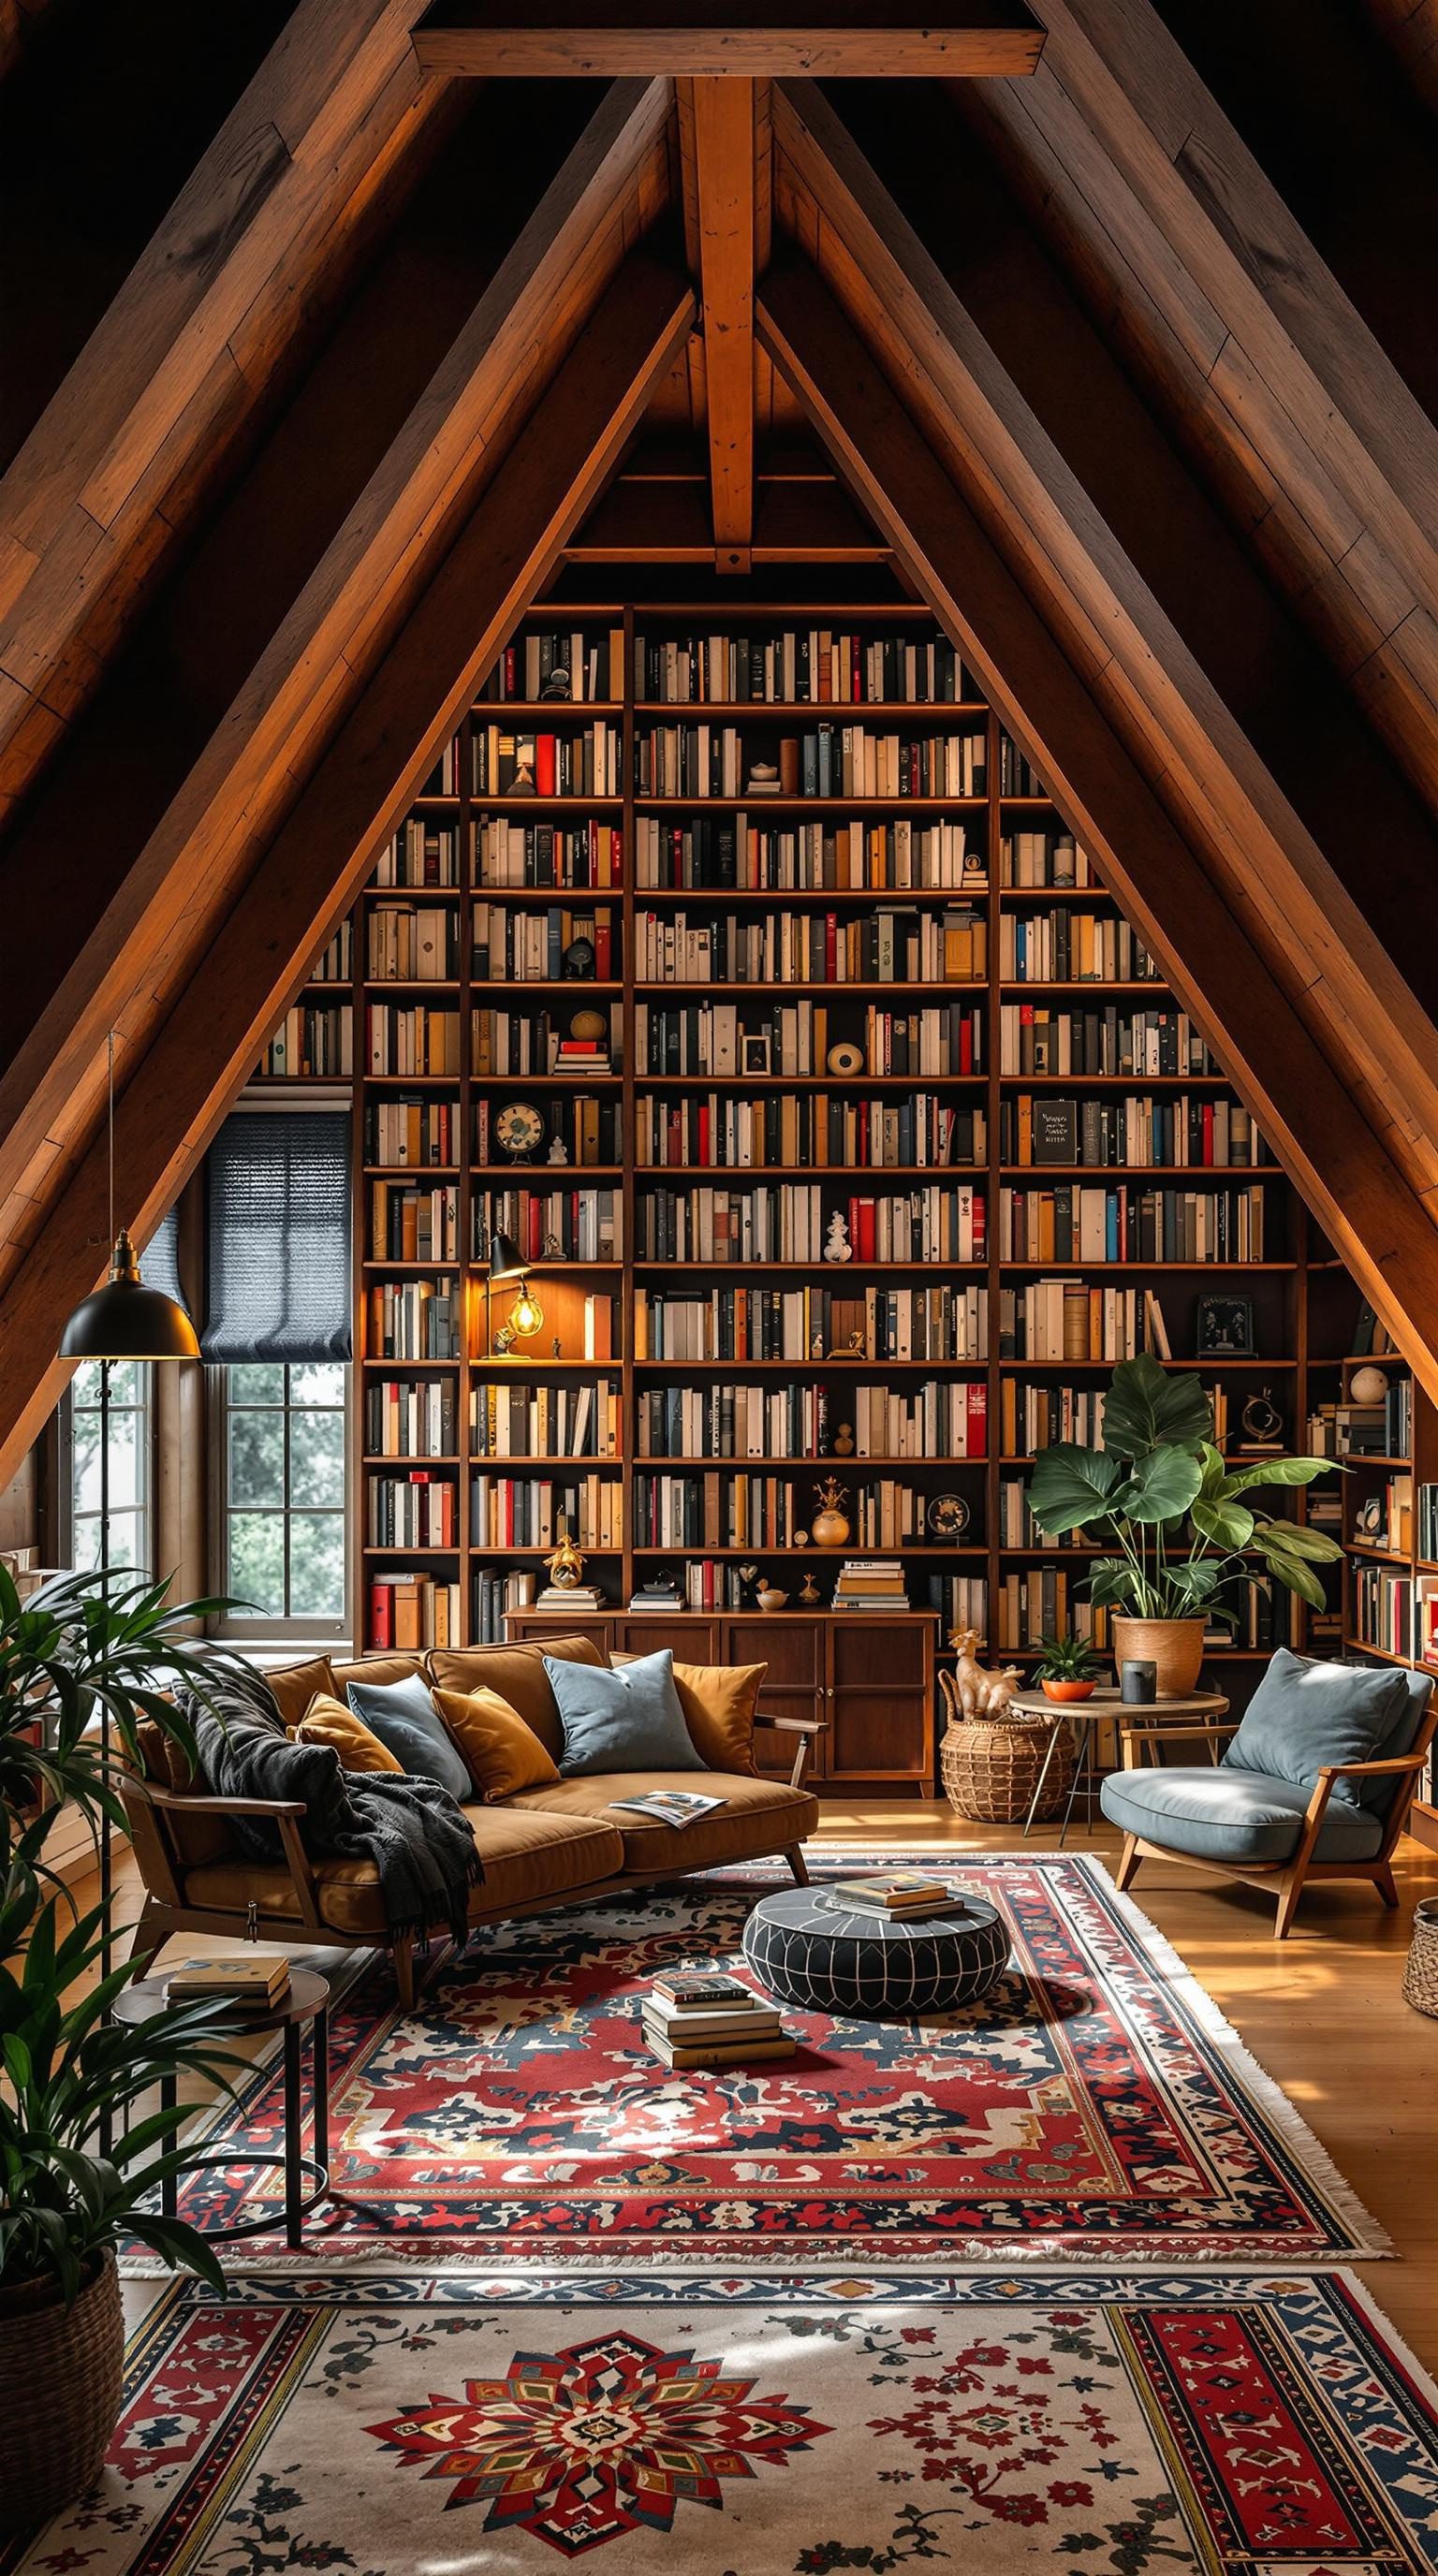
(519, 1128)
(948, 1516)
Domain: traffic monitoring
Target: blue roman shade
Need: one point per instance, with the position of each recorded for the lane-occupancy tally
(159, 1262)
(279, 1238)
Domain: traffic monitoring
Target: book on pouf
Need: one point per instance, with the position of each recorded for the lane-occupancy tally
(894, 1892)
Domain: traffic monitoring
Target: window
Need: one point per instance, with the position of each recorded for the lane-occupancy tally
(131, 1533)
(281, 1505)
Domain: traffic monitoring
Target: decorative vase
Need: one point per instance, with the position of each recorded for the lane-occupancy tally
(1173, 1646)
(830, 1526)
(61, 2372)
(1065, 1693)
(770, 1597)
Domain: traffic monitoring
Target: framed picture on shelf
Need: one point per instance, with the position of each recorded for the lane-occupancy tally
(1225, 1329)
(754, 1051)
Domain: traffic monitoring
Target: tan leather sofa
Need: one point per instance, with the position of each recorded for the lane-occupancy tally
(544, 1848)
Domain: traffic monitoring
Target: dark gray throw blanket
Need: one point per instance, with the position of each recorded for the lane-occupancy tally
(416, 1834)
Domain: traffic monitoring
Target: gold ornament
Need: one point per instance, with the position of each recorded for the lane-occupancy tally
(565, 1566)
(830, 1524)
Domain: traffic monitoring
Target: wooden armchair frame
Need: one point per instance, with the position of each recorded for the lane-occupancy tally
(163, 1871)
(1288, 1878)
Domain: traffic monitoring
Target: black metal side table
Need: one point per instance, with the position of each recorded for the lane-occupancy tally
(305, 2003)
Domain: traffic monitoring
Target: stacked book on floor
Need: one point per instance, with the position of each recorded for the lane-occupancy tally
(694, 2018)
(898, 1893)
(871, 1583)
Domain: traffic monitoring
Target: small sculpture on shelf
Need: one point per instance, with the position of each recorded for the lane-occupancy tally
(748, 1587)
(830, 1524)
(811, 1596)
(981, 1694)
(771, 1598)
(557, 684)
(837, 1246)
(843, 1441)
(558, 1152)
(565, 1567)
(1262, 1422)
(853, 1349)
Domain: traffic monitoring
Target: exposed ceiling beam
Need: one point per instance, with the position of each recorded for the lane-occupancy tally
(724, 156)
(848, 39)
(112, 965)
(201, 1053)
(1376, 1220)
(1199, 270)
(1127, 604)
(113, 470)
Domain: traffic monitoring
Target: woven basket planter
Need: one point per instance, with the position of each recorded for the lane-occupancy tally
(991, 1767)
(1420, 1977)
(60, 2380)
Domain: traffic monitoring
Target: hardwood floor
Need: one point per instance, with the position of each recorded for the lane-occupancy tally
(1322, 2012)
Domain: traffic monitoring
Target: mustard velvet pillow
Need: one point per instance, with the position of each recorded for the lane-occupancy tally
(719, 1703)
(501, 1753)
(328, 1721)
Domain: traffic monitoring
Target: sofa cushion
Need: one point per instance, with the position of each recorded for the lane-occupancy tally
(1304, 1714)
(719, 1702)
(328, 1721)
(1380, 1794)
(757, 1816)
(379, 1669)
(1242, 1817)
(404, 1717)
(518, 1674)
(625, 1720)
(295, 1685)
(499, 1751)
(525, 1855)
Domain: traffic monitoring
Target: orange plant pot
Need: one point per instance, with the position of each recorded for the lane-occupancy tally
(1066, 1693)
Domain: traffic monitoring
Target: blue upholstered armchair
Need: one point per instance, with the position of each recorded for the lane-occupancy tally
(1316, 1782)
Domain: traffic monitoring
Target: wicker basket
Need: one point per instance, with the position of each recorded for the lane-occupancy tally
(1420, 1977)
(991, 1766)
(60, 2382)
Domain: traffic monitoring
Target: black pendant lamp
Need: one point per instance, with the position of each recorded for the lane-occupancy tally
(125, 1320)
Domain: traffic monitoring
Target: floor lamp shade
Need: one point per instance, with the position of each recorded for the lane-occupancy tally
(125, 1320)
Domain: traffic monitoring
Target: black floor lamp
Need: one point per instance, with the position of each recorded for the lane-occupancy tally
(124, 1320)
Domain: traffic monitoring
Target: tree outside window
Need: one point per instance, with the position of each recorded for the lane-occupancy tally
(130, 1530)
(283, 1511)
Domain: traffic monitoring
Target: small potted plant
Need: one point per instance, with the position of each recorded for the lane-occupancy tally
(1068, 1669)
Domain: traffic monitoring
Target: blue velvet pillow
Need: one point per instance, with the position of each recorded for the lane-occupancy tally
(1305, 1714)
(626, 1720)
(404, 1717)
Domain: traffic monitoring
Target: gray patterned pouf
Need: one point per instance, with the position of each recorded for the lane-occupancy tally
(807, 1951)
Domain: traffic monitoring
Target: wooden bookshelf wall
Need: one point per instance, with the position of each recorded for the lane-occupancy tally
(1303, 1303)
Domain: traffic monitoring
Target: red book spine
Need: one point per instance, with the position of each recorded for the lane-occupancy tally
(603, 947)
(545, 748)
(976, 1411)
(831, 947)
(511, 671)
(381, 1614)
(1208, 1131)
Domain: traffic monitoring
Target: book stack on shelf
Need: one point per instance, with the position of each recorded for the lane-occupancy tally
(701, 2020)
(871, 1583)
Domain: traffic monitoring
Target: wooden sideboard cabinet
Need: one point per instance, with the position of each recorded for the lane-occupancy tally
(868, 1675)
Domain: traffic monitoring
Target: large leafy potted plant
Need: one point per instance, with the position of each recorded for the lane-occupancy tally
(85, 1647)
(1162, 1497)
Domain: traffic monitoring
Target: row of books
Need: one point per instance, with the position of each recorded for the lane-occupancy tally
(334, 962)
(813, 665)
(579, 664)
(793, 1038)
(410, 1039)
(407, 1224)
(582, 760)
(511, 946)
(420, 1509)
(410, 1611)
(508, 852)
(810, 1325)
(1033, 1417)
(1383, 1430)
(422, 853)
(786, 1131)
(1426, 1501)
(552, 1224)
(509, 1042)
(494, 1592)
(412, 1132)
(411, 1418)
(410, 943)
(414, 1319)
(515, 1420)
(1049, 856)
(1190, 1132)
(702, 760)
(890, 857)
(1069, 947)
(1388, 1515)
(945, 1421)
(1067, 1319)
(537, 1511)
(711, 1509)
(314, 1041)
(796, 1220)
(1045, 1601)
(1131, 1223)
(1017, 774)
(1140, 1043)
(889, 946)
(586, 1129)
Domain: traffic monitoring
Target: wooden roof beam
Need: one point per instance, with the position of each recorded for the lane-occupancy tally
(1377, 1221)
(724, 152)
(843, 40)
(206, 1046)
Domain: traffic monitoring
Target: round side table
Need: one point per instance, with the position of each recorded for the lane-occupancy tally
(305, 2004)
(1194, 1707)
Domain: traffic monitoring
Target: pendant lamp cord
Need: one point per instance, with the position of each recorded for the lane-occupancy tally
(110, 1124)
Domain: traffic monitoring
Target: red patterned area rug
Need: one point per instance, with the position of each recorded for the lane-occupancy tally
(1213, 2422)
(1093, 2108)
